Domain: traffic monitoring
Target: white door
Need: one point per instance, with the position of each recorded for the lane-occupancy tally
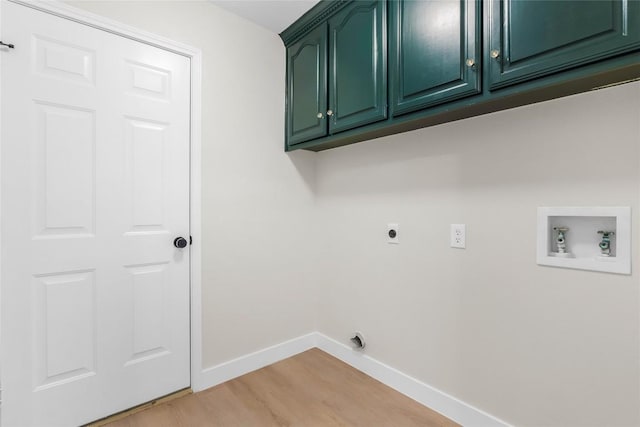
(95, 188)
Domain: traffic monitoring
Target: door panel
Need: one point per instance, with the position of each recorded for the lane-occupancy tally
(358, 64)
(533, 38)
(144, 162)
(430, 44)
(64, 317)
(307, 87)
(147, 81)
(65, 171)
(65, 61)
(95, 186)
(150, 330)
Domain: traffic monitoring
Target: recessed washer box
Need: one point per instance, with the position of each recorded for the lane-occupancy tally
(581, 243)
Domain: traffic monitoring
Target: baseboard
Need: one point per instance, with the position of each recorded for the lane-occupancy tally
(427, 395)
(226, 371)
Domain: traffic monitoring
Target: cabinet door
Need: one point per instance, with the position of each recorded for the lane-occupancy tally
(532, 38)
(307, 87)
(434, 52)
(358, 65)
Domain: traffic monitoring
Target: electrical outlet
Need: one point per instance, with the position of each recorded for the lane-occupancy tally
(392, 233)
(458, 236)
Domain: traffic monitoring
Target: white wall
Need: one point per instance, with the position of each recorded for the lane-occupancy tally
(532, 345)
(257, 200)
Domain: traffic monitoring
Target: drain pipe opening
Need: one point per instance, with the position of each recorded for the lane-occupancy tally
(357, 342)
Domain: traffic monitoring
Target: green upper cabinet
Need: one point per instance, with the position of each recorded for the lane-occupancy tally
(434, 52)
(447, 60)
(307, 87)
(358, 66)
(532, 38)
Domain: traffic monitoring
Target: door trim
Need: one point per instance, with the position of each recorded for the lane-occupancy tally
(195, 179)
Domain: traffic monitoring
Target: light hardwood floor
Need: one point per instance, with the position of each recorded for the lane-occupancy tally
(310, 389)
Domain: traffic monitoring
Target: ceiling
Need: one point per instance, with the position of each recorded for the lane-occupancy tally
(275, 15)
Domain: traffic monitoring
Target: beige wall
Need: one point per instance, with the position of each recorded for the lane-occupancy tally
(256, 199)
(532, 345)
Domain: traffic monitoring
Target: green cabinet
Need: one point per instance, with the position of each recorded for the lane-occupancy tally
(447, 60)
(532, 38)
(357, 63)
(434, 52)
(337, 73)
(307, 87)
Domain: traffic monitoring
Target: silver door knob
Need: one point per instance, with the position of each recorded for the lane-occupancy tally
(329, 113)
(470, 62)
(319, 115)
(495, 53)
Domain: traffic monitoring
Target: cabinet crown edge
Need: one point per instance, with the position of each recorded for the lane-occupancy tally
(312, 18)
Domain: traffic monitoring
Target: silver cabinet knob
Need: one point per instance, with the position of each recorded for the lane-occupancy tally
(470, 62)
(329, 113)
(495, 53)
(319, 115)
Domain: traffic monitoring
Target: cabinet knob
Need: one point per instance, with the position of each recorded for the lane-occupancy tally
(495, 53)
(329, 113)
(319, 115)
(470, 62)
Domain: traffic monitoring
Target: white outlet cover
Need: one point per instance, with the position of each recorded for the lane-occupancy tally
(393, 240)
(458, 236)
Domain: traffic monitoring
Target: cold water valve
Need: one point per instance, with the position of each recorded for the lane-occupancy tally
(605, 243)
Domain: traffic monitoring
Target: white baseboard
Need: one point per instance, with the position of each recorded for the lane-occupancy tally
(425, 394)
(431, 397)
(226, 371)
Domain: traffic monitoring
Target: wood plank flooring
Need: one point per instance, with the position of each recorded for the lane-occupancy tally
(310, 389)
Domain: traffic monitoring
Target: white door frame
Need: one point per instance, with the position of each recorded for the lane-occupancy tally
(83, 17)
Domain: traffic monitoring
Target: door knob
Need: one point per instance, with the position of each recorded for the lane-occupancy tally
(319, 115)
(329, 113)
(180, 242)
(495, 53)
